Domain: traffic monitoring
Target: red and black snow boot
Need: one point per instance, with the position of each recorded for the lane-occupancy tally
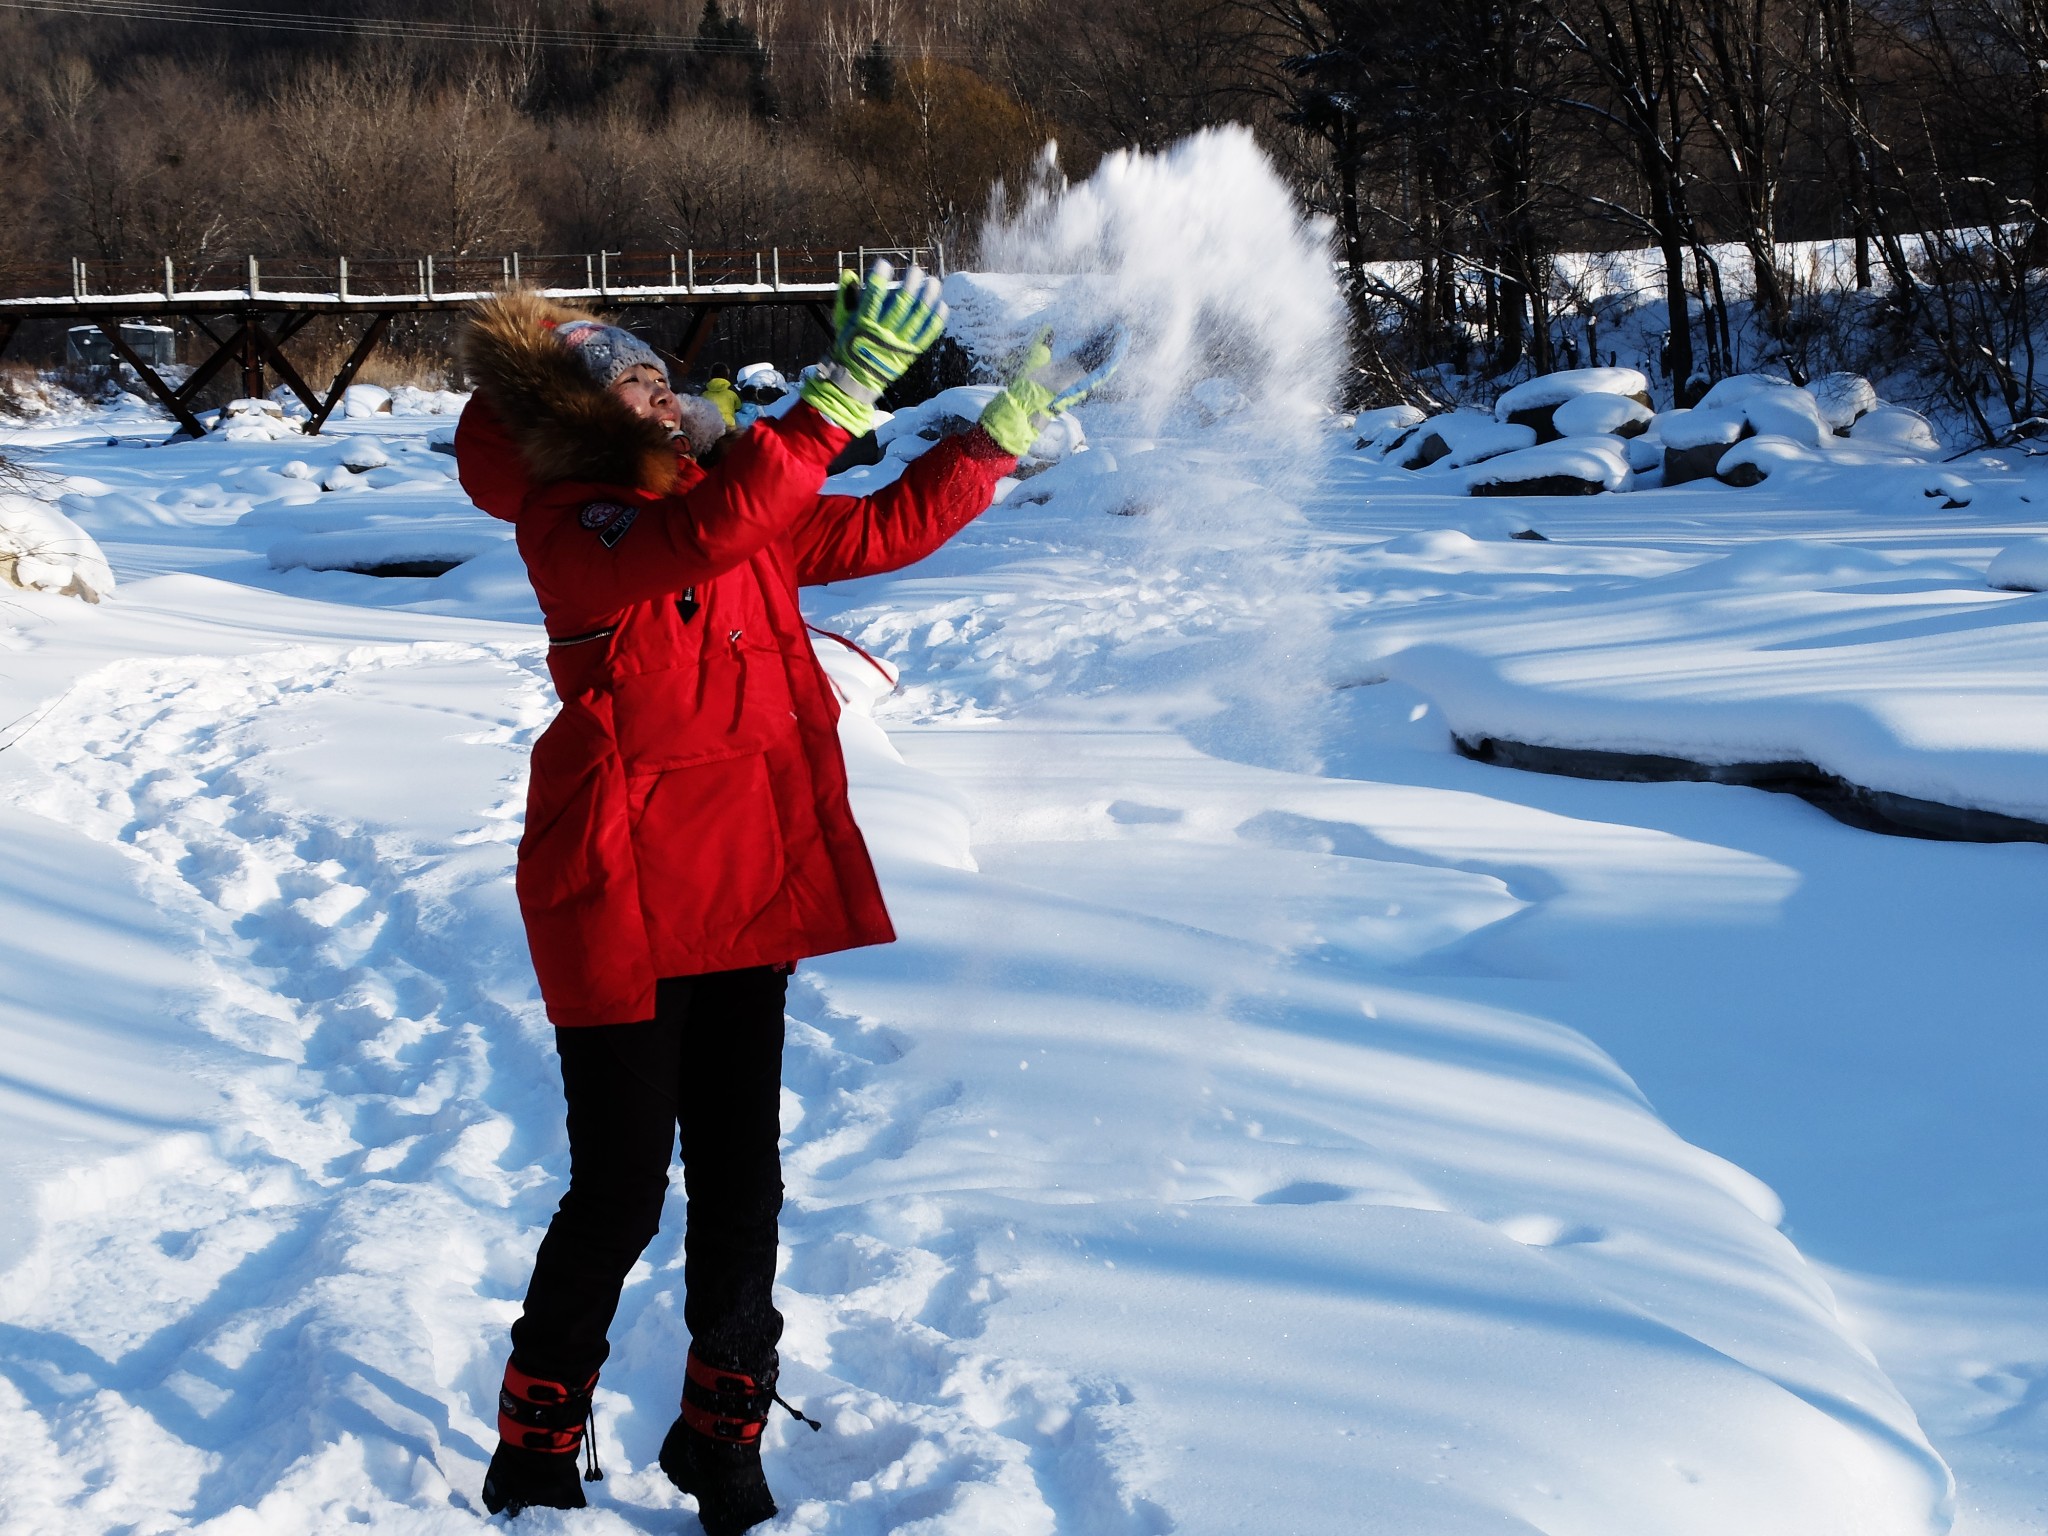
(542, 1425)
(713, 1451)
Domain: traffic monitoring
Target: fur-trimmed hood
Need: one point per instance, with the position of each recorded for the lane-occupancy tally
(564, 425)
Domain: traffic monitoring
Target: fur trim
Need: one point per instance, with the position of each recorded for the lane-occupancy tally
(565, 426)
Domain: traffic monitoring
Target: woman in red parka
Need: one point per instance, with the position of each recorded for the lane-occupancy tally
(687, 837)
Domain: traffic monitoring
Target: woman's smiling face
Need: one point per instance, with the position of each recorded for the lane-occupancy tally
(646, 393)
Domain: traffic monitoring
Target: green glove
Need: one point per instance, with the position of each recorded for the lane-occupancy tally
(1041, 389)
(879, 333)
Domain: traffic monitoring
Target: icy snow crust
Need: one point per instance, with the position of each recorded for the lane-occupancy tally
(1248, 1058)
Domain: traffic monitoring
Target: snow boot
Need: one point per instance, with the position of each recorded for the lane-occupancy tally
(542, 1425)
(713, 1452)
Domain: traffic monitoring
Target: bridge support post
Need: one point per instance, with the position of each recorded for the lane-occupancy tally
(348, 372)
(252, 359)
(151, 380)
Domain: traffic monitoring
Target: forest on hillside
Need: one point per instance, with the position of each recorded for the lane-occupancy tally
(1470, 142)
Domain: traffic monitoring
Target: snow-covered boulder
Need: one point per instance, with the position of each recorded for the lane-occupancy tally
(1572, 466)
(1895, 426)
(365, 453)
(254, 421)
(359, 401)
(42, 550)
(1599, 414)
(1952, 492)
(1695, 439)
(1377, 429)
(1730, 392)
(1534, 403)
(1458, 438)
(1786, 412)
(1756, 459)
(2021, 567)
(1842, 397)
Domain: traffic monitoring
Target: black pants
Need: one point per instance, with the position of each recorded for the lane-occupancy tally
(710, 1063)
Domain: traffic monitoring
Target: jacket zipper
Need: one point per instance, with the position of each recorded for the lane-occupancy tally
(739, 694)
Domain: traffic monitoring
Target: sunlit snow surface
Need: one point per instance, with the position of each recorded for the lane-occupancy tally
(1262, 1123)
(1268, 1121)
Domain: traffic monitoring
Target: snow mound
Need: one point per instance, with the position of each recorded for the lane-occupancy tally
(1788, 413)
(1739, 387)
(1599, 414)
(1755, 459)
(361, 401)
(2021, 567)
(1571, 466)
(1897, 427)
(1377, 429)
(1458, 438)
(1842, 397)
(1554, 389)
(1788, 651)
(1698, 428)
(42, 550)
(255, 421)
(1784, 564)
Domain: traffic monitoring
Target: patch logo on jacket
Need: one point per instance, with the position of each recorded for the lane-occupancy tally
(608, 520)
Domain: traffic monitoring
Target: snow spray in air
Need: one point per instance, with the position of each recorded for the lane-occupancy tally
(1228, 291)
(1213, 427)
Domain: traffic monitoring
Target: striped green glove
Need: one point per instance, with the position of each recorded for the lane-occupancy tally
(880, 332)
(1041, 389)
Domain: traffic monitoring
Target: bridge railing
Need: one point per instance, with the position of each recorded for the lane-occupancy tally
(426, 277)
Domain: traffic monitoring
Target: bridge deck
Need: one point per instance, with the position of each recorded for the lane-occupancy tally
(262, 316)
(221, 301)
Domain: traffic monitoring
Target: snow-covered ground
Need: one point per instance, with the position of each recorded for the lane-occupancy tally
(1269, 1119)
(1234, 1141)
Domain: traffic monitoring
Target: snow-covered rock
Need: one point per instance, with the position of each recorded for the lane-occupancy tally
(1896, 426)
(1378, 428)
(42, 550)
(1553, 389)
(1694, 441)
(1755, 459)
(1457, 438)
(1842, 397)
(365, 453)
(255, 421)
(1699, 427)
(1572, 466)
(359, 401)
(1736, 388)
(2021, 567)
(1598, 414)
(1788, 413)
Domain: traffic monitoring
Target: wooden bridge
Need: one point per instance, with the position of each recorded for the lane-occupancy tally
(248, 310)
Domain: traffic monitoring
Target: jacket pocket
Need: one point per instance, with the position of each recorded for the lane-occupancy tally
(708, 845)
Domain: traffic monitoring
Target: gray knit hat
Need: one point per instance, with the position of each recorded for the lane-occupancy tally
(607, 350)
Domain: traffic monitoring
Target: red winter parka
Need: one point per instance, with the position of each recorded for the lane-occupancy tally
(687, 810)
